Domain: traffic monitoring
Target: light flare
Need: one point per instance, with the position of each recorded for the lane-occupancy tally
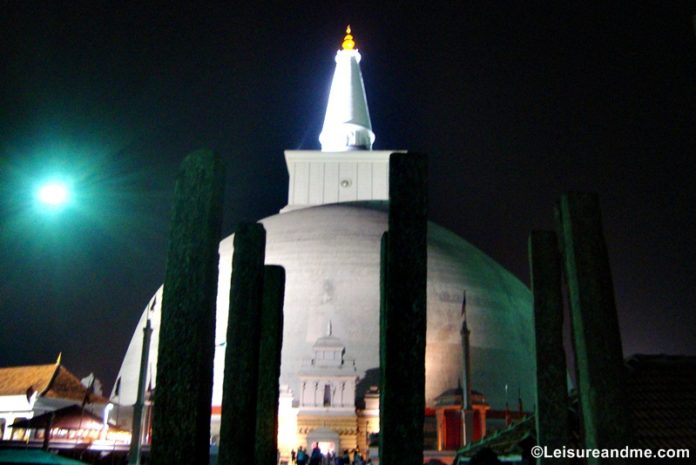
(54, 194)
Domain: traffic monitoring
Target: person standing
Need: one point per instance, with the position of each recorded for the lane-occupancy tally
(316, 456)
(301, 456)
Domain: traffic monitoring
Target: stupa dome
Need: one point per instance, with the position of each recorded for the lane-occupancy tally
(331, 254)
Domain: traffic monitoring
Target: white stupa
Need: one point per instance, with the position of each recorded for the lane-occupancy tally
(328, 240)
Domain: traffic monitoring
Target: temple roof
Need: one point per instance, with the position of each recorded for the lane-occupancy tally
(52, 381)
(17, 380)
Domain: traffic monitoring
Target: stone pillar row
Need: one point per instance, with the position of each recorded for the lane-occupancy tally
(181, 417)
(578, 259)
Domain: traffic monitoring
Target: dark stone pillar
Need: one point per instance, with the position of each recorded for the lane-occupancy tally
(239, 390)
(598, 353)
(403, 342)
(269, 365)
(181, 418)
(136, 431)
(383, 292)
(551, 372)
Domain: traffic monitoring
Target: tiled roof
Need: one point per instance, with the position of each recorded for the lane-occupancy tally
(662, 393)
(52, 381)
(17, 380)
(454, 396)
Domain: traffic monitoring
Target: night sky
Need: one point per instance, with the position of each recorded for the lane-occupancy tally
(514, 103)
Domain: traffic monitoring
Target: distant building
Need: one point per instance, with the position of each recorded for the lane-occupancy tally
(29, 391)
(328, 240)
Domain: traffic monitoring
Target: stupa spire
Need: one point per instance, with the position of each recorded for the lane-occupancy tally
(347, 123)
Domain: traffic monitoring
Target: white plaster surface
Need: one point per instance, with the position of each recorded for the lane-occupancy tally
(331, 257)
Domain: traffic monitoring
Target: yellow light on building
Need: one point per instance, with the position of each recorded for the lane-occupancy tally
(348, 42)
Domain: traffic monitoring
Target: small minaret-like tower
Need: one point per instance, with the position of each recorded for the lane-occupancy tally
(467, 403)
(346, 169)
(347, 122)
(465, 333)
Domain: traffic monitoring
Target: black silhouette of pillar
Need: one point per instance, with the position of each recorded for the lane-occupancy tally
(551, 372)
(240, 384)
(402, 405)
(596, 336)
(269, 365)
(181, 418)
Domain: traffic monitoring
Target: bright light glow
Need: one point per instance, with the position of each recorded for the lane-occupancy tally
(54, 194)
(348, 42)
